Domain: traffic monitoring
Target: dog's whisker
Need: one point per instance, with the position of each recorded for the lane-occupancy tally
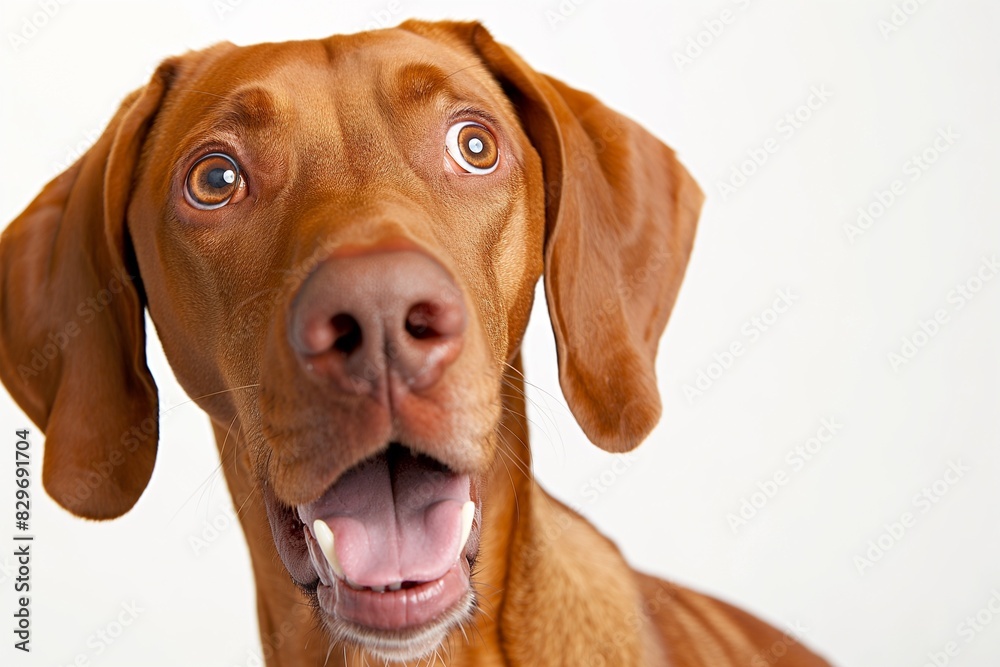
(543, 409)
(487, 607)
(253, 490)
(222, 449)
(478, 634)
(519, 416)
(215, 477)
(539, 388)
(513, 485)
(523, 466)
(329, 652)
(524, 463)
(488, 615)
(523, 416)
(198, 488)
(209, 395)
(519, 464)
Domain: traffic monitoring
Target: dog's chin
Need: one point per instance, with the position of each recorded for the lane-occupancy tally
(387, 553)
(406, 624)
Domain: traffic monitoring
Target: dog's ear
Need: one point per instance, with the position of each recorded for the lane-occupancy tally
(72, 336)
(621, 213)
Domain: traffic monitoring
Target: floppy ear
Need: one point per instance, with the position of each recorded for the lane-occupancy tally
(621, 213)
(72, 337)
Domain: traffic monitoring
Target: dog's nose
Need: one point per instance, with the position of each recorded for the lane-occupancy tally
(363, 318)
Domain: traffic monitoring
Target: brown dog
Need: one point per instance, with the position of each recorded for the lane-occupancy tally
(338, 241)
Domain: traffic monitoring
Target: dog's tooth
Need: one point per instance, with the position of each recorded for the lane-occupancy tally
(396, 586)
(324, 536)
(468, 514)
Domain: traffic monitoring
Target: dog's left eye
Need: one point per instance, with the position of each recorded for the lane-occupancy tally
(214, 181)
(472, 147)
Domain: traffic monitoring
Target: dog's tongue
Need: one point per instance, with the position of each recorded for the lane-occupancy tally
(395, 518)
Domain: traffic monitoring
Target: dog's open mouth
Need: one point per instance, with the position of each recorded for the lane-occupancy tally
(392, 543)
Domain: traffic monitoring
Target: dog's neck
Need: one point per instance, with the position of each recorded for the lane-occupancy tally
(532, 546)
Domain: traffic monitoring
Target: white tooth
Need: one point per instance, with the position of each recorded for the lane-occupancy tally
(324, 536)
(468, 514)
(378, 589)
(396, 586)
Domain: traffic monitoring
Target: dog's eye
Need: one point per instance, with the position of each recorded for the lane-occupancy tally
(214, 181)
(472, 147)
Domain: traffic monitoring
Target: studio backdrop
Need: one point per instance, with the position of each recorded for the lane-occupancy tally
(829, 452)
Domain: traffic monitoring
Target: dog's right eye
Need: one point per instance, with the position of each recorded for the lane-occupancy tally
(214, 181)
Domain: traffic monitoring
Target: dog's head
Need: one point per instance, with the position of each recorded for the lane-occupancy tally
(338, 242)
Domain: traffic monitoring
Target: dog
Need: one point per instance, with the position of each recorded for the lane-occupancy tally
(338, 242)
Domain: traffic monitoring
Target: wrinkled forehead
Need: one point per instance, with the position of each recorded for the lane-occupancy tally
(336, 86)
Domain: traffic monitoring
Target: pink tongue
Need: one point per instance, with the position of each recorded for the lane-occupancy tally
(395, 518)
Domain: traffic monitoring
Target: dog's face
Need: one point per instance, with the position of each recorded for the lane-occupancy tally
(366, 275)
(338, 242)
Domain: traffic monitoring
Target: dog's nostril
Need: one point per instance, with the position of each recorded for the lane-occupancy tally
(378, 321)
(346, 332)
(420, 321)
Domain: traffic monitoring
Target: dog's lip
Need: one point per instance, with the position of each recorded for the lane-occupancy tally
(408, 610)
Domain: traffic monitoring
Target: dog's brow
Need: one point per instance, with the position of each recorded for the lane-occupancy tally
(418, 81)
(251, 108)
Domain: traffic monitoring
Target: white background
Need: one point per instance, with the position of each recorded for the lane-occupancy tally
(784, 229)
